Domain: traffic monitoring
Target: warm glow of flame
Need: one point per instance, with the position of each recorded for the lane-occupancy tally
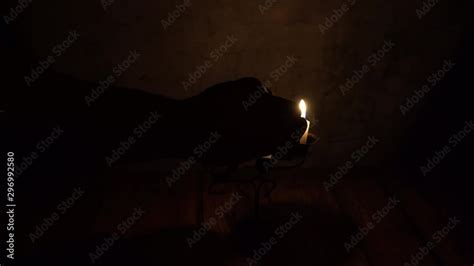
(303, 108)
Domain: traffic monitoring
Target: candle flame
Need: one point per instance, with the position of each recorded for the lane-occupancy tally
(303, 108)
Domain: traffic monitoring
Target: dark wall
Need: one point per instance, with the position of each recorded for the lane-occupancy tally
(326, 55)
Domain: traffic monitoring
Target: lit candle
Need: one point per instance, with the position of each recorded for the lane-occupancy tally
(304, 138)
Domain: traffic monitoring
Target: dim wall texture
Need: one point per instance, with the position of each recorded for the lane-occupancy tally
(354, 62)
